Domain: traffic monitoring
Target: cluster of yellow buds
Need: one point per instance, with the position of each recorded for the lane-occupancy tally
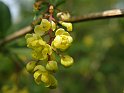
(43, 74)
(45, 65)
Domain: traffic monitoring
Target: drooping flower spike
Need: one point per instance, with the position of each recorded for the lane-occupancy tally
(44, 64)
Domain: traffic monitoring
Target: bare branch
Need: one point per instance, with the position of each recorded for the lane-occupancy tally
(116, 13)
(16, 35)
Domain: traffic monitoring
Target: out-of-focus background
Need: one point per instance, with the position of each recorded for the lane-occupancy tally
(98, 50)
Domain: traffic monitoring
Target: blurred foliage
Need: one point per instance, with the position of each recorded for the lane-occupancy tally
(5, 19)
(97, 50)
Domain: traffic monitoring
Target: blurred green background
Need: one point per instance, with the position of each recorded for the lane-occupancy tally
(98, 50)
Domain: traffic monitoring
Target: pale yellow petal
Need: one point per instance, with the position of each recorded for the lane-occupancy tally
(53, 25)
(39, 30)
(67, 25)
(59, 31)
(46, 25)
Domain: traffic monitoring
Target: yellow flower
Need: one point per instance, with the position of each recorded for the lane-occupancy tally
(40, 68)
(49, 80)
(40, 48)
(63, 15)
(67, 25)
(67, 61)
(42, 52)
(43, 27)
(37, 76)
(62, 40)
(45, 78)
(46, 25)
(39, 30)
(33, 40)
(52, 82)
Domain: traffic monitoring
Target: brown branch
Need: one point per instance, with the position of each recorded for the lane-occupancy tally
(116, 13)
(100, 15)
(16, 35)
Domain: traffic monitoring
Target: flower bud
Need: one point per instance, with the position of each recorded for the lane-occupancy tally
(63, 16)
(52, 66)
(67, 25)
(28, 36)
(37, 76)
(45, 78)
(67, 61)
(53, 82)
(40, 68)
(30, 66)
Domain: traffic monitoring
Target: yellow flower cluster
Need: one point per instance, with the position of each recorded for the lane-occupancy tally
(62, 40)
(42, 74)
(40, 49)
(44, 27)
(44, 51)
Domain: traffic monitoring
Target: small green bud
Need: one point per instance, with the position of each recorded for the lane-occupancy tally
(52, 66)
(30, 66)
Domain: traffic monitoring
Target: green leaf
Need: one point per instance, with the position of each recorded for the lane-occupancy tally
(5, 19)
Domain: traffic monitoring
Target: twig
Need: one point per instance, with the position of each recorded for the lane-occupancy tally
(116, 13)
(16, 35)
(100, 15)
